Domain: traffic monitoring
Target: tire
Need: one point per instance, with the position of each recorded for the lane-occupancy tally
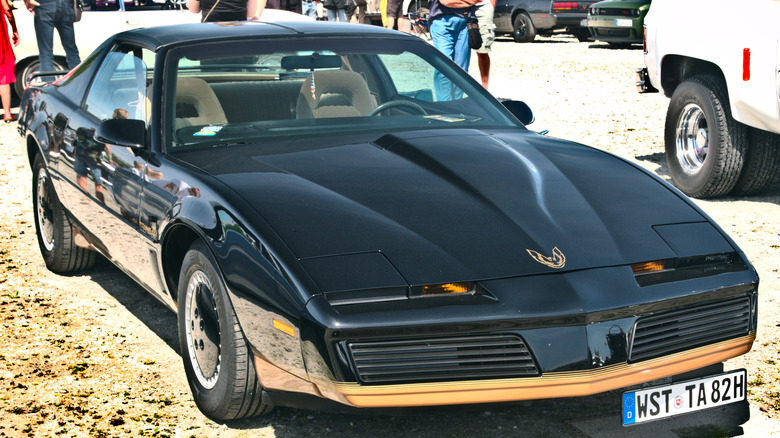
(217, 359)
(523, 29)
(53, 228)
(581, 36)
(28, 68)
(761, 163)
(705, 146)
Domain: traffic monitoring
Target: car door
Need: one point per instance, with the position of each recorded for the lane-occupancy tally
(105, 189)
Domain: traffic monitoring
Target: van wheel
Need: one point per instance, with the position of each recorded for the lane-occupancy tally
(705, 146)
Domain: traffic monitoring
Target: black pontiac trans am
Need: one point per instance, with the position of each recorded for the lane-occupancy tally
(337, 212)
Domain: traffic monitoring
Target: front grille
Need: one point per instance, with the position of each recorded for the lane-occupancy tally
(692, 327)
(619, 12)
(441, 359)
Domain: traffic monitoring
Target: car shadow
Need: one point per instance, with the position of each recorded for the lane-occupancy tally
(539, 40)
(605, 46)
(144, 306)
(594, 416)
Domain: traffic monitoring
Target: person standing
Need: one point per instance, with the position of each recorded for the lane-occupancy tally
(448, 21)
(309, 8)
(286, 5)
(50, 15)
(226, 10)
(395, 15)
(484, 12)
(337, 10)
(7, 60)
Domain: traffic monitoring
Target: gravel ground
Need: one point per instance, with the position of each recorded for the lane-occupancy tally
(94, 355)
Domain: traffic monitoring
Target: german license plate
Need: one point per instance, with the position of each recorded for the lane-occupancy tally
(684, 397)
(620, 22)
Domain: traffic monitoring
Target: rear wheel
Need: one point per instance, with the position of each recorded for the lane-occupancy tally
(524, 30)
(25, 70)
(55, 234)
(217, 359)
(761, 163)
(705, 146)
(582, 36)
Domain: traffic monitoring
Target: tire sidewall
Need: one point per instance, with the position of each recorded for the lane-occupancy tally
(50, 257)
(691, 92)
(212, 402)
(29, 67)
(529, 33)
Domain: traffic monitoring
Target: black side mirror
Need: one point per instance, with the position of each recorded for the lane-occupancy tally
(520, 110)
(122, 132)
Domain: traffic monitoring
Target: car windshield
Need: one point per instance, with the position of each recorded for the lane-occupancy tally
(257, 91)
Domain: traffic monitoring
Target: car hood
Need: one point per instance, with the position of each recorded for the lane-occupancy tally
(428, 207)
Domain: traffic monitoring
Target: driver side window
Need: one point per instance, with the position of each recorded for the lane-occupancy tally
(119, 88)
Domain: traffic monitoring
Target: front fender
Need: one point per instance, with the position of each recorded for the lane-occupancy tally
(262, 293)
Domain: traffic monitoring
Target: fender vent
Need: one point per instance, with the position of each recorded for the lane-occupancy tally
(692, 327)
(442, 359)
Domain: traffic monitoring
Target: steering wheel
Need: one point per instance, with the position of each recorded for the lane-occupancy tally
(395, 103)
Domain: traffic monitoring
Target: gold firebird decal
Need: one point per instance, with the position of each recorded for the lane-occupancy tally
(557, 261)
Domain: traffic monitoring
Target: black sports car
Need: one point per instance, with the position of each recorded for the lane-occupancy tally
(524, 19)
(338, 212)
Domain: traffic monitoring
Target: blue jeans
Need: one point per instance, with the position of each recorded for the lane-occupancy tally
(341, 14)
(450, 36)
(50, 15)
(309, 8)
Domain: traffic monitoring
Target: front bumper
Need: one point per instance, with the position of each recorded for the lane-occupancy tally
(366, 360)
(550, 385)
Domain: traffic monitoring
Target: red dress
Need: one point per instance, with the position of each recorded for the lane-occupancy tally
(7, 57)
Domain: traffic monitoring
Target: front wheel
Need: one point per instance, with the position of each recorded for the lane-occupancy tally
(705, 147)
(217, 359)
(53, 228)
(523, 29)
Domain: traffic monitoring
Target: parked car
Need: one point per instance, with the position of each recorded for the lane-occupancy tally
(573, 16)
(618, 22)
(523, 19)
(722, 131)
(339, 212)
(98, 24)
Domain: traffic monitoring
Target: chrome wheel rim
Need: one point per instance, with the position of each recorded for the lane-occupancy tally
(692, 139)
(202, 330)
(44, 210)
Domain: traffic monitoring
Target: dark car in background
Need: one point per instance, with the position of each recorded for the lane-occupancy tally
(618, 22)
(523, 19)
(573, 16)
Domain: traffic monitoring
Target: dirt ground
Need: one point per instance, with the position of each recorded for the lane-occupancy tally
(94, 355)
